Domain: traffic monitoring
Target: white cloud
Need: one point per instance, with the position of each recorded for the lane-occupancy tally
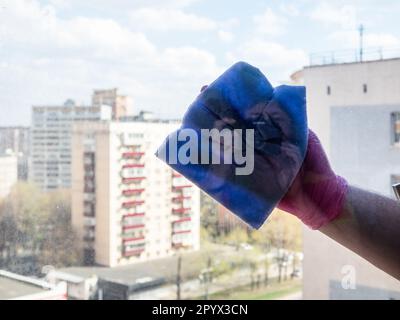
(343, 16)
(225, 36)
(60, 58)
(289, 9)
(274, 59)
(269, 23)
(351, 39)
(163, 19)
(381, 40)
(229, 23)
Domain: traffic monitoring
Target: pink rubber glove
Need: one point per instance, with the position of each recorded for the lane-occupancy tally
(317, 194)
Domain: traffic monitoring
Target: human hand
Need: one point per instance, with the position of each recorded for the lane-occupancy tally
(317, 194)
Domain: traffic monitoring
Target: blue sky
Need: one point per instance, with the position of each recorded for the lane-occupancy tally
(162, 51)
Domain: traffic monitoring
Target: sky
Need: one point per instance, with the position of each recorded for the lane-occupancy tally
(161, 52)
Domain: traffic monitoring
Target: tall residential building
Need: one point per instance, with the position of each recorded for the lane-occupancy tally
(355, 110)
(121, 104)
(17, 140)
(127, 205)
(50, 163)
(8, 173)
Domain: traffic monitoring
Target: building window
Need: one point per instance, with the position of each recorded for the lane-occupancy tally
(328, 90)
(395, 128)
(365, 88)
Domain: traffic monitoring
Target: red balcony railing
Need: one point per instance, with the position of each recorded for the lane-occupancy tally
(133, 165)
(132, 154)
(132, 203)
(180, 198)
(135, 226)
(182, 220)
(129, 253)
(133, 179)
(181, 210)
(130, 192)
(176, 175)
(181, 231)
(133, 239)
(177, 188)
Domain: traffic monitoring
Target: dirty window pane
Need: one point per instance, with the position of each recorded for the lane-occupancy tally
(94, 88)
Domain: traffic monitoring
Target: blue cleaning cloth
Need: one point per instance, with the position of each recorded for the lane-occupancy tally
(242, 98)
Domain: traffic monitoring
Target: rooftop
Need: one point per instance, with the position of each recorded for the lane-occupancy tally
(351, 56)
(10, 288)
(165, 268)
(14, 286)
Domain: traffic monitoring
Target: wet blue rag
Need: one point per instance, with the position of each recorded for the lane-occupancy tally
(242, 98)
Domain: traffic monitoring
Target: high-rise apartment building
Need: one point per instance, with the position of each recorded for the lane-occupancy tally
(355, 110)
(50, 163)
(127, 205)
(17, 140)
(121, 104)
(8, 173)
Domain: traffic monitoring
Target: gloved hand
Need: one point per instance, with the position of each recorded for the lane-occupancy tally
(243, 100)
(317, 194)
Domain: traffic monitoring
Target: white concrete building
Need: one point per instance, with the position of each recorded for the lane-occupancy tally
(50, 164)
(8, 173)
(17, 139)
(121, 105)
(355, 110)
(127, 205)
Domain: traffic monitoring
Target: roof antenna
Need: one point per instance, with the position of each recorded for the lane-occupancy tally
(361, 31)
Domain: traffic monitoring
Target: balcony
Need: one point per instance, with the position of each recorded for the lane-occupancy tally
(89, 221)
(135, 240)
(182, 237)
(88, 209)
(89, 234)
(133, 165)
(133, 180)
(180, 210)
(134, 226)
(131, 192)
(135, 221)
(180, 198)
(135, 252)
(181, 245)
(181, 231)
(129, 215)
(182, 220)
(180, 188)
(176, 175)
(130, 204)
(130, 155)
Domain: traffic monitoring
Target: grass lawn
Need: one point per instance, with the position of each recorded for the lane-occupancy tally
(273, 291)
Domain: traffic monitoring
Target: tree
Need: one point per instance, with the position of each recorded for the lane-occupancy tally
(37, 225)
(281, 232)
(209, 217)
(206, 277)
(178, 278)
(22, 215)
(236, 237)
(253, 271)
(267, 265)
(59, 247)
